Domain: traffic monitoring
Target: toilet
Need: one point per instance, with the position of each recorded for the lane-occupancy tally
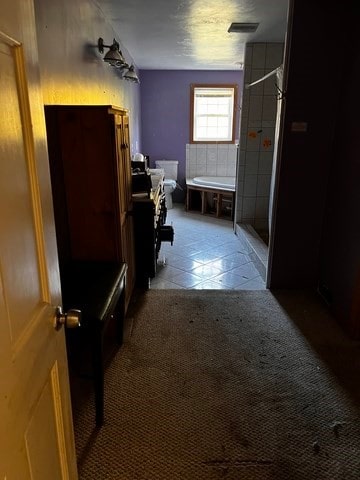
(171, 171)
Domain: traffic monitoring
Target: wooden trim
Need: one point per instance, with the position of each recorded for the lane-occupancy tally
(220, 194)
(29, 150)
(117, 110)
(61, 437)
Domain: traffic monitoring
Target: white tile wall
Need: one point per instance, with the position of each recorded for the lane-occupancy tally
(253, 139)
(211, 169)
(242, 157)
(231, 169)
(267, 139)
(274, 55)
(263, 185)
(265, 162)
(251, 162)
(212, 155)
(250, 183)
(268, 107)
(248, 56)
(249, 204)
(257, 73)
(212, 160)
(258, 117)
(262, 207)
(241, 173)
(255, 108)
(269, 84)
(201, 156)
(232, 156)
(261, 223)
(259, 55)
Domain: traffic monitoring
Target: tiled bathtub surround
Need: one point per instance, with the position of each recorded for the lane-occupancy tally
(211, 160)
(258, 116)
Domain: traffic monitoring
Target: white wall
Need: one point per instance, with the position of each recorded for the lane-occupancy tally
(72, 70)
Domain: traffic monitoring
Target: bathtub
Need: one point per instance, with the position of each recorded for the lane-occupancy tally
(222, 183)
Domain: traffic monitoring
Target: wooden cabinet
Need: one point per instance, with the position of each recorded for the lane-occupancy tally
(91, 180)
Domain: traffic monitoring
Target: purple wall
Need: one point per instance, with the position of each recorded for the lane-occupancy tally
(165, 111)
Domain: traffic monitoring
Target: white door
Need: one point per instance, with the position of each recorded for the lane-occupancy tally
(36, 432)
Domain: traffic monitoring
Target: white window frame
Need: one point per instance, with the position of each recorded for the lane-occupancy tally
(212, 114)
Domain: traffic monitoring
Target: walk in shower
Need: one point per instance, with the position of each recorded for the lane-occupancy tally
(258, 142)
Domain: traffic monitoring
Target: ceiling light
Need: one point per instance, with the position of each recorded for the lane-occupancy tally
(243, 27)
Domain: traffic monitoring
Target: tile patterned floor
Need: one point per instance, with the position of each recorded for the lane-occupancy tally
(206, 254)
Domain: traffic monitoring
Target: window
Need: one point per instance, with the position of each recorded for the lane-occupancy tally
(213, 113)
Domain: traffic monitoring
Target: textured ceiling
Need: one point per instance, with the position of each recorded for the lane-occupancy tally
(192, 34)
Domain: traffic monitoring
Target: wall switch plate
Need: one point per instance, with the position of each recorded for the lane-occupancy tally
(299, 126)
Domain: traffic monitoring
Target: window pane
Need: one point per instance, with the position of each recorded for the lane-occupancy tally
(212, 121)
(201, 132)
(201, 122)
(223, 109)
(212, 132)
(213, 109)
(213, 114)
(223, 132)
(223, 122)
(202, 109)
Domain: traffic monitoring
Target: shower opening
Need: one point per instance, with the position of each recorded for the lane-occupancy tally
(260, 123)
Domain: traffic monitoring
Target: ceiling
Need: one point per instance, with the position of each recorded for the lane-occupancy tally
(192, 34)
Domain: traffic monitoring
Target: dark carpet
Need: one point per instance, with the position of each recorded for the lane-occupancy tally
(245, 385)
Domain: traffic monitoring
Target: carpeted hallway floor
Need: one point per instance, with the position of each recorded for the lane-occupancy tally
(245, 385)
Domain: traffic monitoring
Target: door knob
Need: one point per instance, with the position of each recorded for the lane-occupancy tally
(71, 319)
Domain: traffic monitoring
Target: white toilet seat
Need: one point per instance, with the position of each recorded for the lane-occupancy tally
(171, 171)
(169, 187)
(169, 183)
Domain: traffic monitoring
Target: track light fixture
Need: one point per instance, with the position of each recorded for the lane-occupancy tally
(114, 56)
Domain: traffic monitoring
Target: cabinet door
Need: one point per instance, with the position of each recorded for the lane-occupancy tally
(125, 200)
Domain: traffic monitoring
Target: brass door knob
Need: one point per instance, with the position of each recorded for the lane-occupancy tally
(71, 319)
